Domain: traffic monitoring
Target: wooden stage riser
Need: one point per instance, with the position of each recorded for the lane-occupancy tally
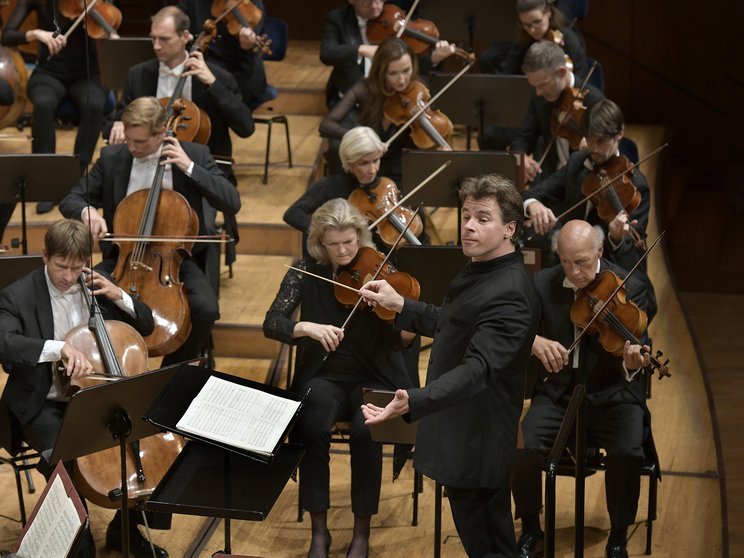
(243, 341)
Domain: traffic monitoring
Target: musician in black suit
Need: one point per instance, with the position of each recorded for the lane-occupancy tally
(604, 129)
(545, 69)
(213, 89)
(483, 332)
(615, 399)
(190, 171)
(237, 55)
(344, 45)
(36, 313)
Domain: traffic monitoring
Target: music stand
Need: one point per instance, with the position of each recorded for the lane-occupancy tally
(473, 21)
(116, 56)
(421, 260)
(110, 414)
(475, 99)
(13, 268)
(36, 177)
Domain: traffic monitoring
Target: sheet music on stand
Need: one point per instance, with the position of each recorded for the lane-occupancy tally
(57, 522)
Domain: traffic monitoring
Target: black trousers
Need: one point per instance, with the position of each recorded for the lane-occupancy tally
(484, 521)
(47, 92)
(330, 401)
(615, 425)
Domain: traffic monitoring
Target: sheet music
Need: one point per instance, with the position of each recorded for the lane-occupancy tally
(237, 415)
(54, 528)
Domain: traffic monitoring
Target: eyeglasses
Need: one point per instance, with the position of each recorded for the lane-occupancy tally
(370, 2)
(534, 23)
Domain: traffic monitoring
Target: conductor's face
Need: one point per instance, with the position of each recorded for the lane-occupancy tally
(341, 246)
(63, 271)
(484, 234)
(141, 142)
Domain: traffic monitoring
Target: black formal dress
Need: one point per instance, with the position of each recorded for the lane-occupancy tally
(469, 409)
(207, 191)
(63, 75)
(367, 357)
(246, 67)
(562, 190)
(615, 407)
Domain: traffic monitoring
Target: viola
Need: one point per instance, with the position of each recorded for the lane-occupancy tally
(102, 19)
(150, 270)
(190, 123)
(619, 319)
(115, 349)
(431, 129)
(239, 14)
(620, 196)
(567, 117)
(367, 265)
(376, 201)
(419, 34)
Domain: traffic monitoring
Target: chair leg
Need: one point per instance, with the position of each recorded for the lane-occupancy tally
(286, 133)
(268, 149)
(416, 487)
(437, 520)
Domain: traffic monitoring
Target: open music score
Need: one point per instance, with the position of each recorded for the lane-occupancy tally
(239, 416)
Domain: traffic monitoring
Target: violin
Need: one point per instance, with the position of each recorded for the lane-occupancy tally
(190, 123)
(97, 476)
(365, 267)
(239, 14)
(431, 129)
(567, 117)
(419, 34)
(102, 19)
(376, 201)
(619, 319)
(621, 196)
(150, 271)
(556, 36)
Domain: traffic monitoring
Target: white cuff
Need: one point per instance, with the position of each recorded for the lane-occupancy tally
(526, 203)
(51, 352)
(190, 169)
(629, 376)
(126, 304)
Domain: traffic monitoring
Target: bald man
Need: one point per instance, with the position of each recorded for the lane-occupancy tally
(615, 392)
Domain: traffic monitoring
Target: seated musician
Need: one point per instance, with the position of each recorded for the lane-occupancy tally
(545, 68)
(7, 97)
(36, 313)
(190, 171)
(344, 45)
(210, 87)
(361, 355)
(238, 55)
(61, 72)
(538, 20)
(615, 392)
(603, 128)
(393, 69)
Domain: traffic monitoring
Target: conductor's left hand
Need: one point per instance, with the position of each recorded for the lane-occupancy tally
(397, 407)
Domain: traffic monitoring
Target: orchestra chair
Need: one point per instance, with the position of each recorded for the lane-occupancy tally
(21, 457)
(278, 31)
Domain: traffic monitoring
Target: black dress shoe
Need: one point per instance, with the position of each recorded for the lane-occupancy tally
(616, 551)
(139, 546)
(531, 545)
(44, 207)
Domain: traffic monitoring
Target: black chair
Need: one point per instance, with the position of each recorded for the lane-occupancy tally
(563, 461)
(278, 32)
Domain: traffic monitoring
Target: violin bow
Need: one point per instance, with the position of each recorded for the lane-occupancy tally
(409, 194)
(352, 289)
(609, 182)
(427, 105)
(402, 29)
(86, 9)
(565, 116)
(614, 293)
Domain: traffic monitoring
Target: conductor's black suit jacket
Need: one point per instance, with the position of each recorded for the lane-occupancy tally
(26, 322)
(221, 101)
(469, 409)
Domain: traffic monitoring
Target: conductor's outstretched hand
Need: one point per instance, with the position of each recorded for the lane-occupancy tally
(397, 407)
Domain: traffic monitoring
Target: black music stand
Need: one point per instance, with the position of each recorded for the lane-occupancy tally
(116, 56)
(424, 260)
(473, 21)
(477, 99)
(212, 478)
(13, 268)
(109, 415)
(36, 177)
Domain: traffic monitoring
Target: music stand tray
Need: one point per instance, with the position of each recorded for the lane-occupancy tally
(116, 56)
(13, 268)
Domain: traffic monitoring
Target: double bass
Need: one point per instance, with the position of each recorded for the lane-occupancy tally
(116, 350)
(150, 270)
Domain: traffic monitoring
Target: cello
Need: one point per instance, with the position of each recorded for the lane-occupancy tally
(148, 270)
(97, 475)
